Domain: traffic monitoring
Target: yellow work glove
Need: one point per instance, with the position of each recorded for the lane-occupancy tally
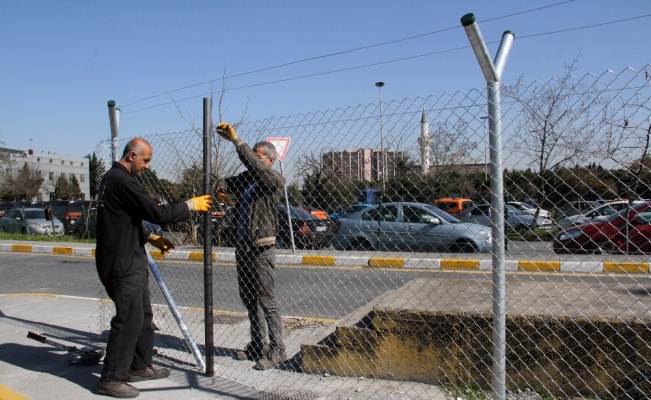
(226, 131)
(200, 203)
(161, 243)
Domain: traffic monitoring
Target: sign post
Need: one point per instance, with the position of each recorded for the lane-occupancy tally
(281, 145)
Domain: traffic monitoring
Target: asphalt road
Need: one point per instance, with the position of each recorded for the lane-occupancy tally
(303, 291)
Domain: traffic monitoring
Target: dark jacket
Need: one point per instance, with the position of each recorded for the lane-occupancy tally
(122, 204)
(262, 209)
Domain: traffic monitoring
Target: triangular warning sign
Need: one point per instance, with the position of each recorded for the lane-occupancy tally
(281, 145)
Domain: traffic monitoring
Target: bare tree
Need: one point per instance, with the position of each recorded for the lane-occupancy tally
(556, 122)
(450, 145)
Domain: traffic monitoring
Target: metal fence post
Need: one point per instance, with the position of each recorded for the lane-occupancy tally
(114, 121)
(207, 238)
(492, 73)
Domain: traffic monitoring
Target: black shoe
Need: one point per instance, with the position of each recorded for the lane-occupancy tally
(252, 352)
(121, 390)
(274, 358)
(147, 374)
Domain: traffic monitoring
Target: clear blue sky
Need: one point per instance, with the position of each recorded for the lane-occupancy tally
(61, 61)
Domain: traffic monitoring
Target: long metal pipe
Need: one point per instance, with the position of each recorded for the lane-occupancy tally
(492, 74)
(114, 122)
(207, 240)
(175, 310)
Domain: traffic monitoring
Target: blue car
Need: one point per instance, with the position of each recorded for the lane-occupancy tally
(413, 227)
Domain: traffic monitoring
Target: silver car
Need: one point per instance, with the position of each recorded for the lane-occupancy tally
(404, 226)
(515, 219)
(596, 214)
(31, 222)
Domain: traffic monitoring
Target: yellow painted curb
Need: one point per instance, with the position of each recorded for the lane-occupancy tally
(157, 254)
(21, 248)
(386, 262)
(539, 266)
(459, 264)
(198, 256)
(8, 394)
(626, 267)
(65, 251)
(319, 260)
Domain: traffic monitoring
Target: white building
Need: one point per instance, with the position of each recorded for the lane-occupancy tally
(51, 166)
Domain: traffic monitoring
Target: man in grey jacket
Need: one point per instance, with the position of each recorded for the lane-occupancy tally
(258, 191)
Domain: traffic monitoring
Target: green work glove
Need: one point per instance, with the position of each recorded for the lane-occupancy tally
(161, 243)
(200, 203)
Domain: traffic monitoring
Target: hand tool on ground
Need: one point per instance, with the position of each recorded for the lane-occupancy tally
(85, 357)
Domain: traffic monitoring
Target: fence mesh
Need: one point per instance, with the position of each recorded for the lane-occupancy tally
(382, 294)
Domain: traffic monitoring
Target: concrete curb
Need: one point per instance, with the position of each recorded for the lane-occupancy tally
(228, 256)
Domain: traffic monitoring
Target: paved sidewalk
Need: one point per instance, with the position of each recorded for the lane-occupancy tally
(32, 370)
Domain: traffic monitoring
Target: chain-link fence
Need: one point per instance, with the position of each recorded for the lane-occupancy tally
(384, 295)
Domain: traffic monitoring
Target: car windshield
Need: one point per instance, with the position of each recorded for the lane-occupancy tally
(441, 214)
(622, 212)
(35, 214)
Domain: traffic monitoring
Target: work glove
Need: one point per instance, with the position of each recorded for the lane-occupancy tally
(161, 243)
(200, 203)
(226, 131)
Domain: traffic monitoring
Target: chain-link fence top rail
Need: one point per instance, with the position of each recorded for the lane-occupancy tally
(573, 138)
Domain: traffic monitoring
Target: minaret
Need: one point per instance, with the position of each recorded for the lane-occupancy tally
(423, 141)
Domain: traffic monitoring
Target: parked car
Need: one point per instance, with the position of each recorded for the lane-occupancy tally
(598, 213)
(453, 205)
(627, 231)
(58, 207)
(75, 210)
(348, 211)
(515, 219)
(4, 207)
(30, 221)
(529, 209)
(309, 231)
(317, 212)
(405, 226)
(574, 208)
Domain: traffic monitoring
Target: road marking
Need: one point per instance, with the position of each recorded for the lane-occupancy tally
(386, 262)
(539, 266)
(8, 394)
(460, 264)
(626, 267)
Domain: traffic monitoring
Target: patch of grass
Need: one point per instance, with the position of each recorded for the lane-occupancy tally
(43, 238)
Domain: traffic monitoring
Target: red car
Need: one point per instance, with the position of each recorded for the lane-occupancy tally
(628, 231)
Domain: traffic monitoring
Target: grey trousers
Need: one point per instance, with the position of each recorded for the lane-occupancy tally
(255, 279)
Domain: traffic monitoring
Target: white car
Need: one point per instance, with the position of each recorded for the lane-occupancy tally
(596, 214)
(529, 209)
(30, 221)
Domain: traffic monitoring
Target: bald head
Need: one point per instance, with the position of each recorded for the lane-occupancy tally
(136, 156)
(136, 145)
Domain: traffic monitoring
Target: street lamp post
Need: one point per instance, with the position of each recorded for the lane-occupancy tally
(382, 157)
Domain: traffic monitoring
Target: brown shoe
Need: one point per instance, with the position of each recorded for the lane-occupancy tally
(147, 374)
(121, 390)
(273, 359)
(252, 352)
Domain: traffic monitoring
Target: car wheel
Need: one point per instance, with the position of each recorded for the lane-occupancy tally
(359, 244)
(464, 246)
(603, 247)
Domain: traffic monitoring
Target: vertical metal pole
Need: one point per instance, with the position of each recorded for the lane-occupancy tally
(492, 73)
(114, 121)
(207, 240)
(289, 214)
(382, 157)
(499, 238)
